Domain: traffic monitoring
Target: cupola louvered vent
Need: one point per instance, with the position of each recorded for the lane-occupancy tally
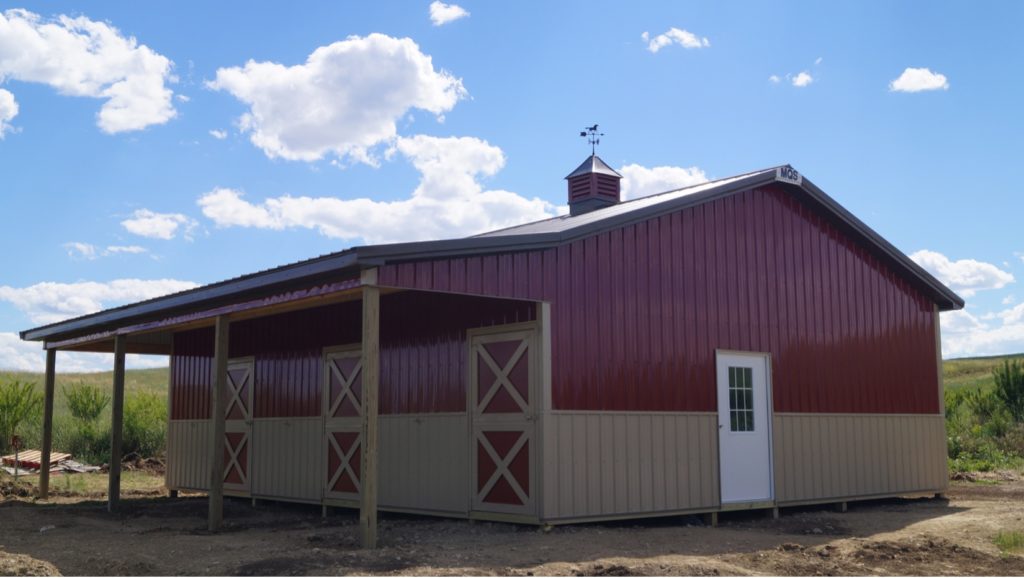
(593, 185)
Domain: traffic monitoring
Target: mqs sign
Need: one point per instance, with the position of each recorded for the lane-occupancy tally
(788, 174)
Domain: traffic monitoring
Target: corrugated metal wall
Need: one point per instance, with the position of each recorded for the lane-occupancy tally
(423, 354)
(820, 457)
(424, 462)
(287, 458)
(188, 454)
(639, 311)
(610, 464)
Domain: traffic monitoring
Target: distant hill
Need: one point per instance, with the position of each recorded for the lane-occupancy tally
(973, 371)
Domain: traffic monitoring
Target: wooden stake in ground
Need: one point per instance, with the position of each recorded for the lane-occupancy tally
(116, 427)
(371, 377)
(44, 473)
(219, 385)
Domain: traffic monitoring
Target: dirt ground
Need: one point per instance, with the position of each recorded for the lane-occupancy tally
(154, 535)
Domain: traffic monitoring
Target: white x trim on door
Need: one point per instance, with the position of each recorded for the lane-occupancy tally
(345, 460)
(501, 379)
(501, 466)
(235, 393)
(233, 462)
(346, 387)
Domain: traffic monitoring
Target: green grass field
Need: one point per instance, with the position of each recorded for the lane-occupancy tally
(135, 380)
(972, 372)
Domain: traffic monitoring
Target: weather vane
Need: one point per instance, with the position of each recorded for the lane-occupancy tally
(593, 137)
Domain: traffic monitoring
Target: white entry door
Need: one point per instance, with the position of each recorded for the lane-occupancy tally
(744, 428)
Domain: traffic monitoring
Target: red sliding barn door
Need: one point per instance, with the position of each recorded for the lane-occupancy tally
(238, 426)
(343, 420)
(503, 401)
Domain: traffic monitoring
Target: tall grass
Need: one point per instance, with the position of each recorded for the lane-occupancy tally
(1011, 541)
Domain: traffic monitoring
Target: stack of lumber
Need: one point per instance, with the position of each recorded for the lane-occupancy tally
(30, 462)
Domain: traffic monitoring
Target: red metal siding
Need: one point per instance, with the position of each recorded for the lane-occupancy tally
(639, 311)
(423, 351)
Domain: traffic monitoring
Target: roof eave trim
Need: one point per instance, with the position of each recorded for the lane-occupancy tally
(195, 296)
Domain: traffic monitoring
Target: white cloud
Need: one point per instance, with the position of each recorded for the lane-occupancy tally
(219, 134)
(78, 250)
(130, 249)
(964, 334)
(803, 79)
(774, 79)
(49, 302)
(674, 35)
(919, 79)
(8, 110)
(448, 202)
(146, 223)
(19, 355)
(182, 98)
(818, 60)
(343, 101)
(441, 13)
(965, 276)
(82, 57)
(639, 181)
(1009, 300)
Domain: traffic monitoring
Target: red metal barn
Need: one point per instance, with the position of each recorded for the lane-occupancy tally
(742, 343)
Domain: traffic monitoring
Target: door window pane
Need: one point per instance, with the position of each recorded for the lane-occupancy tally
(741, 399)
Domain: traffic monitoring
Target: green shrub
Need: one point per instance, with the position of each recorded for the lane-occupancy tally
(19, 402)
(86, 402)
(145, 424)
(82, 436)
(1009, 388)
(954, 400)
(982, 403)
(88, 444)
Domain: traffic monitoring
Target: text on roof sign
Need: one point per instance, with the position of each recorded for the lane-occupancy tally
(788, 174)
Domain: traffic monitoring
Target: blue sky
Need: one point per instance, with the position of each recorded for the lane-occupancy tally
(141, 154)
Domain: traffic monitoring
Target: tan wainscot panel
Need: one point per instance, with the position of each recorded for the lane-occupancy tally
(188, 450)
(605, 465)
(286, 460)
(424, 463)
(825, 456)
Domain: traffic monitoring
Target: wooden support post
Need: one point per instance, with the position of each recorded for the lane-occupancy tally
(774, 513)
(218, 383)
(173, 494)
(371, 378)
(841, 507)
(44, 472)
(711, 519)
(117, 424)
